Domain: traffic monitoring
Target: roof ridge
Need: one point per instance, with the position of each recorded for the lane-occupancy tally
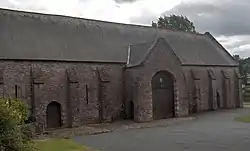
(94, 20)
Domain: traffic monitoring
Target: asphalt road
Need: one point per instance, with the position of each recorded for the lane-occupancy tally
(214, 131)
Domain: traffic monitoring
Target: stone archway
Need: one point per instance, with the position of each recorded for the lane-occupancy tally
(53, 115)
(163, 95)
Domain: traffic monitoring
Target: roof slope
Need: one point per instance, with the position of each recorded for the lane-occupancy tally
(198, 49)
(25, 35)
(138, 52)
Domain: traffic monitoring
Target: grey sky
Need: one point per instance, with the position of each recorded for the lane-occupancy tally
(228, 20)
(224, 17)
(125, 1)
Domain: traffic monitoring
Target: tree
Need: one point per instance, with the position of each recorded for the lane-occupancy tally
(15, 135)
(176, 22)
(244, 67)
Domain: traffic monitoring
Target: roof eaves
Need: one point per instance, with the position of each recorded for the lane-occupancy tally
(211, 65)
(61, 60)
(134, 66)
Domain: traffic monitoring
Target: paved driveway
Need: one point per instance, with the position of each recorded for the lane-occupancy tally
(214, 131)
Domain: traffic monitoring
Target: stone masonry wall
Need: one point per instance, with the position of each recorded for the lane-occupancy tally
(202, 88)
(138, 82)
(39, 83)
(202, 72)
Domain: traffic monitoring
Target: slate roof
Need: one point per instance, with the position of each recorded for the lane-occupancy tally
(138, 52)
(34, 36)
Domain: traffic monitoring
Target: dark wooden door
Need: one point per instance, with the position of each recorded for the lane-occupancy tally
(218, 100)
(131, 110)
(211, 95)
(163, 95)
(54, 115)
(237, 94)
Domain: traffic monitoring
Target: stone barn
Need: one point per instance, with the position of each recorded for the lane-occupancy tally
(74, 71)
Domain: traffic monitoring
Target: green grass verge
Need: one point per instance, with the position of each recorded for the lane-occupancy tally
(58, 145)
(245, 119)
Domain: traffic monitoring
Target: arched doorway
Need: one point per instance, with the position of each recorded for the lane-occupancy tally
(218, 100)
(163, 95)
(237, 93)
(193, 106)
(131, 110)
(53, 114)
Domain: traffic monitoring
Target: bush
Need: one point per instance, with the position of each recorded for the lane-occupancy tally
(16, 108)
(14, 134)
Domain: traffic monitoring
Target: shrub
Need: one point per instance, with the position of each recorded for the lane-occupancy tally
(16, 108)
(14, 134)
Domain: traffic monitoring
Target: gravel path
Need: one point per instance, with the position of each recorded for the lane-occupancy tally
(213, 131)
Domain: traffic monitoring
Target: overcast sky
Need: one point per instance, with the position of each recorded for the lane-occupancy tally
(227, 20)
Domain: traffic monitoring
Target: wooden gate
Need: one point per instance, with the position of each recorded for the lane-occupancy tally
(163, 95)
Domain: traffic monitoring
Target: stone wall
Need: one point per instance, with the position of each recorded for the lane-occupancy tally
(199, 86)
(202, 89)
(81, 89)
(227, 87)
(138, 82)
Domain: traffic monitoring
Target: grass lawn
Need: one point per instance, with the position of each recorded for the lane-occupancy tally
(245, 119)
(58, 145)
